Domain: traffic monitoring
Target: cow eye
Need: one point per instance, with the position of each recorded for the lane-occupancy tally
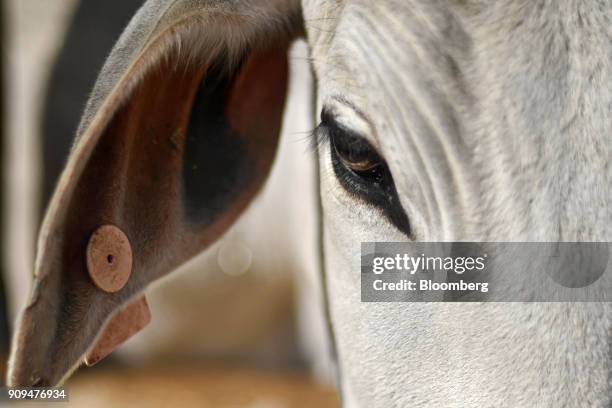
(361, 170)
(356, 155)
(358, 166)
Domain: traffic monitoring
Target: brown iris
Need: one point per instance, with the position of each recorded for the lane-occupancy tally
(355, 152)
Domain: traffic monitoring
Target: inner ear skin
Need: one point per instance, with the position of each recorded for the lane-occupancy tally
(129, 179)
(178, 163)
(216, 164)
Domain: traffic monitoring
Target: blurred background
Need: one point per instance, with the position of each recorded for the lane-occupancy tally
(243, 325)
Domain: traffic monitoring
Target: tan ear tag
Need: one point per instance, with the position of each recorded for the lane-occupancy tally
(126, 323)
(109, 263)
(109, 258)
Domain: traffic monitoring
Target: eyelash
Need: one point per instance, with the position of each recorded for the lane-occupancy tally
(319, 137)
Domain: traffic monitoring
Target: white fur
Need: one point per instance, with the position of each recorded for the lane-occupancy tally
(495, 119)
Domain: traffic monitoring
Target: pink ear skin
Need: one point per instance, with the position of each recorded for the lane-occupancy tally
(126, 323)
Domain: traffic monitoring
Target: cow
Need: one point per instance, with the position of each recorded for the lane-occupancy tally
(439, 121)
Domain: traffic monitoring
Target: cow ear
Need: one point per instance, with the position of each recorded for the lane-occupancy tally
(177, 139)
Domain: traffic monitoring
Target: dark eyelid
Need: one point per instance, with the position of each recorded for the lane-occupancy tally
(328, 118)
(379, 192)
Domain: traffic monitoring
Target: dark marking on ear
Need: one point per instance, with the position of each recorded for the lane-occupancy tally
(216, 166)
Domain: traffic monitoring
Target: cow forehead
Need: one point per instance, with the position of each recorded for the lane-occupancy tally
(542, 58)
(510, 100)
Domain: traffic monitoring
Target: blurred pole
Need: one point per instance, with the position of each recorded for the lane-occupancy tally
(4, 331)
(92, 32)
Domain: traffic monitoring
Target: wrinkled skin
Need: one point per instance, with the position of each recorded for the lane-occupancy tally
(495, 122)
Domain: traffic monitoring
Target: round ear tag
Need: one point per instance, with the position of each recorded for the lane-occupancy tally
(109, 258)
